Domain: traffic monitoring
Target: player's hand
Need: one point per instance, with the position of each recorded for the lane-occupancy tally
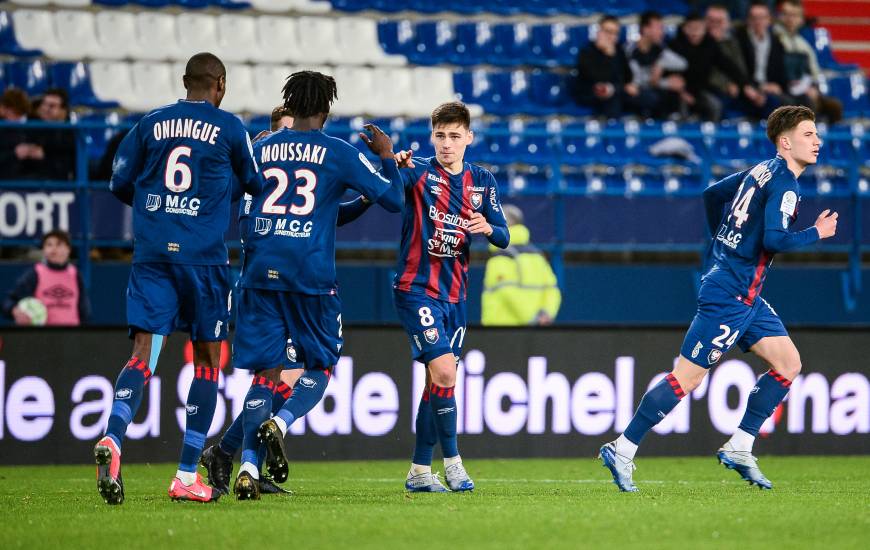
(826, 224)
(478, 224)
(20, 317)
(405, 159)
(379, 143)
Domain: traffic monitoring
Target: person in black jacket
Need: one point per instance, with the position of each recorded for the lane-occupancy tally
(764, 56)
(604, 79)
(703, 54)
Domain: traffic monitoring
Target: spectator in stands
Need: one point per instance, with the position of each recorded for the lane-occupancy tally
(764, 57)
(519, 287)
(604, 80)
(802, 64)
(55, 282)
(718, 23)
(36, 153)
(703, 54)
(56, 148)
(14, 142)
(656, 70)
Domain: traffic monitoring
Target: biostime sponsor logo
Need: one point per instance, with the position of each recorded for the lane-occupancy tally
(533, 401)
(447, 219)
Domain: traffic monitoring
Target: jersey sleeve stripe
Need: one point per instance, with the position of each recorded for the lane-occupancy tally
(414, 250)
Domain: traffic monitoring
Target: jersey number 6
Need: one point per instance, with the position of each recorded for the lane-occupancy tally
(305, 190)
(175, 166)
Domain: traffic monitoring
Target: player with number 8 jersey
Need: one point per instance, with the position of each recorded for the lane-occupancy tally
(763, 205)
(177, 169)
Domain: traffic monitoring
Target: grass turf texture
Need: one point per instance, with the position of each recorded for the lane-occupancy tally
(816, 502)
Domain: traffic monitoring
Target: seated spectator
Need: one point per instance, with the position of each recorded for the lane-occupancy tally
(38, 154)
(764, 57)
(58, 147)
(55, 282)
(802, 64)
(718, 23)
(519, 287)
(603, 75)
(703, 54)
(656, 70)
(15, 143)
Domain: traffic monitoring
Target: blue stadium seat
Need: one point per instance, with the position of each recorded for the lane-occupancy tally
(30, 76)
(557, 44)
(490, 90)
(97, 139)
(835, 150)
(582, 143)
(74, 78)
(433, 44)
(258, 123)
(8, 44)
(351, 5)
(396, 37)
(624, 150)
(852, 91)
(474, 45)
(820, 39)
(512, 44)
(527, 183)
(734, 145)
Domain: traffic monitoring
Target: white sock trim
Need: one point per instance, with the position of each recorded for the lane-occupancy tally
(281, 424)
(742, 441)
(625, 448)
(417, 469)
(251, 469)
(187, 478)
(452, 460)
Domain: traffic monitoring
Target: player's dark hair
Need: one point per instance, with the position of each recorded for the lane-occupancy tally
(608, 18)
(309, 93)
(58, 234)
(278, 113)
(202, 71)
(452, 112)
(786, 118)
(648, 17)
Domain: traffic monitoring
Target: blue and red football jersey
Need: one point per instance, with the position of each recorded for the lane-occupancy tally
(764, 204)
(434, 253)
(177, 169)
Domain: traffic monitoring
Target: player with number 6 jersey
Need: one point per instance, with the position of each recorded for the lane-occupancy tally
(288, 306)
(447, 201)
(756, 225)
(177, 169)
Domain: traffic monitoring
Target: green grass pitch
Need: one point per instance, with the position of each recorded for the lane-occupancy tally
(684, 503)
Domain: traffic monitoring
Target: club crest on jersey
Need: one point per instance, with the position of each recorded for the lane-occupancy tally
(263, 226)
(714, 356)
(698, 347)
(152, 204)
(291, 352)
(476, 200)
(431, 335)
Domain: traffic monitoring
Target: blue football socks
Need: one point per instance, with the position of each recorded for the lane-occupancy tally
(128, 396)
(654, 407)
(201, 400)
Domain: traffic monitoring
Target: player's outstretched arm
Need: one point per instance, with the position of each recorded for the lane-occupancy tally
(782, 240)
(717, 196)
(371, 185)
(351, 210)
(126, 166)
(244, 164)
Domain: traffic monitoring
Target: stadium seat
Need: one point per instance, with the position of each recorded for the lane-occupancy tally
(153, 85)
(432, 86)
(74, 78)
(97, 138)
(474, 44)
(71, 3)
(312, 6)
(239, 96)
(820, 39)
(34, 29)
(158, 37)
(273, 6)
(116, 35)
(280, 34)
(397, 37)
(112, 81)
(357, 42)
(317, 41)
(76, 35)
(433, 43)
(196, 33)
(268, 80)
(8, 43)
(582, 143)
(31, 2)
(237, 39)
(557, 44)
(512, 44)
(852, 91)
(393, 91)
(30, 76)
(354, 79)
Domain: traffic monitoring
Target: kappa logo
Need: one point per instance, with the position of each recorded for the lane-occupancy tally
(291, 352)
(255, 403)
(431, 335)
(123, 393)
(307, 382)
(437, 179)
(152, 203)
(714, 356)
(191, 409)
(698, 347)
(476, 200)
(263, 226)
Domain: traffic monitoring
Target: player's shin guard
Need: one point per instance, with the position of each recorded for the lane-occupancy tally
(257, 409)
(767, 394)
(654, 407)
(128, 396)
(201, 401)
(443, 405)
(307, 393)
(427, 435)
